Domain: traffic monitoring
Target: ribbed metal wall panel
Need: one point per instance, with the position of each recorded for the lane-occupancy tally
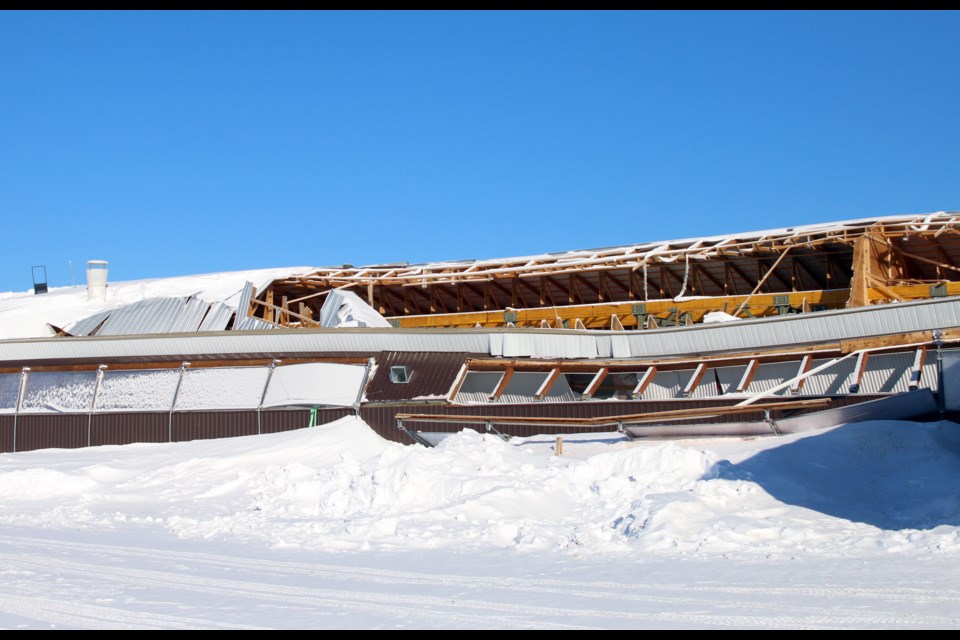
(523, 386)
(729, 377)
(126, 428)
(292, 419)
(432, 374)
(477, 387)
(772, 374)
(667, 384)
(888, 373)
(51, 431)
(832, 380)
(190, 425)
(6, 434)
(277, 421)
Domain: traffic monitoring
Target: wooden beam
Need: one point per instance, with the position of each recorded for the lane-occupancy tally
(458, 382)
(805, 364)
(502, 385)
(858, 371)
(595, 383)
(760, 284)
(916, 371)
(644, 382)
(695, 379)
(748, 374)
(547, 384)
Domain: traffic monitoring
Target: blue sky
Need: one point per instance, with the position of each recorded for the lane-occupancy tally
(180, 143)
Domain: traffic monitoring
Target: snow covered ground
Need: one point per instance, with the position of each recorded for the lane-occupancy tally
(333, 527)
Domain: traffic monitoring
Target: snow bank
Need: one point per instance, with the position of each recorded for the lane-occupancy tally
(872, 487)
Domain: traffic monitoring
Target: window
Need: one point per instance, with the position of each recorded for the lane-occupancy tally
(400, 375)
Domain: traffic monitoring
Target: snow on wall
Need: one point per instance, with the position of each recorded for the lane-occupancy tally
(226, 388)
(9, 390)
(59, 391)
(315, 384)
(150, 390)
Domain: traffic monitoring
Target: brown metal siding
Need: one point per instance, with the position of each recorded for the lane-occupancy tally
(275, 421)
(126, 428)
(221, 424)
(433, 375)
(382, 418)
(6, 434)
(51, 431)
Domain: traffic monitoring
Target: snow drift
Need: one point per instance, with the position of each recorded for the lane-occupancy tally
(880, 485)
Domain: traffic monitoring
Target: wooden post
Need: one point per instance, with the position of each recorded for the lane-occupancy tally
(558, 448)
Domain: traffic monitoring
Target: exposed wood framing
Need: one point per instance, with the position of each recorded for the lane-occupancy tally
(858, 370)
(917, 369)
(695, 379)
(804, 368)
(644, 382)
(502, 385)
(748, 373)
(595, 383)
(547, 384)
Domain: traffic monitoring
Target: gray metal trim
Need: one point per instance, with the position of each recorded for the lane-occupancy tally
(539, 343)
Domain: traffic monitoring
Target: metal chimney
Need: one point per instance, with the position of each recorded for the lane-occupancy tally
(97, 279)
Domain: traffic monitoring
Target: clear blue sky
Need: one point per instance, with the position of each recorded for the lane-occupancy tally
(181, 143)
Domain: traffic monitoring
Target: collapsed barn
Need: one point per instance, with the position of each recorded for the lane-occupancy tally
(826, 323)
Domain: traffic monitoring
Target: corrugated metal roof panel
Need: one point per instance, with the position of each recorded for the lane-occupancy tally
(217, 318)
(432, 375)
(253, 324)
(190, 316)
(85, 326)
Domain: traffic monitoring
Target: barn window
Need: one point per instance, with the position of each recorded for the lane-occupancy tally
(400, 375)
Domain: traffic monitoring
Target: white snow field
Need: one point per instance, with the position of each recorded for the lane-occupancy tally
(334, 527)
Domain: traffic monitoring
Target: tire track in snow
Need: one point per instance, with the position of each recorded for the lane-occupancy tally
(442, 608)
(586, 588)
(88, 616)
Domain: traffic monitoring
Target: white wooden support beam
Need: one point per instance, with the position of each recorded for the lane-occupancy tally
(804, 367)
(545, 387)
(644, 382)
(502, 385)
(695, 379)
(615, 324)
(458, 382)
(578, 324)
(858, 370)
(748, 374)
(595, 383)
(917, 369)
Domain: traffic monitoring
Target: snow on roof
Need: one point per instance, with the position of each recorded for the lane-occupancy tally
(26, 315)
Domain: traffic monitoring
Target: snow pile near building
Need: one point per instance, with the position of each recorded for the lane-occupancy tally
(881, 486)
